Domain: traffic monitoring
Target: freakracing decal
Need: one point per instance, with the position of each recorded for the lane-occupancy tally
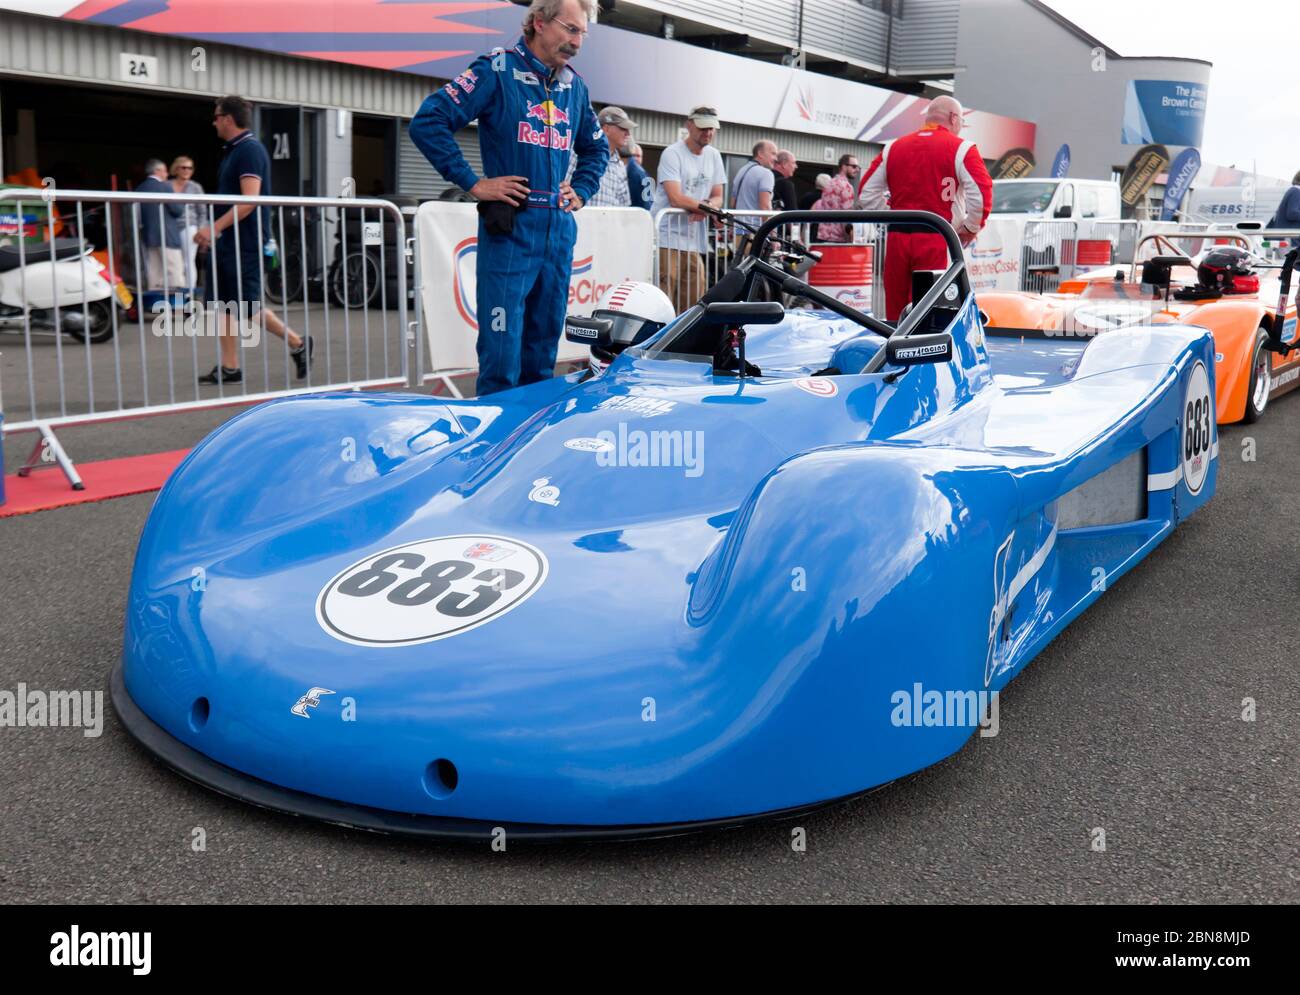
(818, 386)
(1198, 428)
(429, 589)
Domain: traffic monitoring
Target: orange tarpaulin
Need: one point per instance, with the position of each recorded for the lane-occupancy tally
(29, 178)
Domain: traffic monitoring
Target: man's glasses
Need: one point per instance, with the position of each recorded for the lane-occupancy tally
(573, 30)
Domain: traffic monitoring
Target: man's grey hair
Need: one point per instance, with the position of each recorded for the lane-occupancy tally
(549, 10)
(785, 155)
(153, 165)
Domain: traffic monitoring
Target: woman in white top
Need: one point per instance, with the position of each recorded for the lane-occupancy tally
(182, 177)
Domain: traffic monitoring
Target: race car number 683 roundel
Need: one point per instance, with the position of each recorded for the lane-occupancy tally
(1198, 428)
(429, 589)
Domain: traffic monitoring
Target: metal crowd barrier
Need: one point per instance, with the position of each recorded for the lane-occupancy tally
(126, 332)
(1122, 235)
(692, 252)
(1046, 255)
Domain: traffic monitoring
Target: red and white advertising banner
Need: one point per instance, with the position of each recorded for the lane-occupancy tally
(993, 259)
(614, 244)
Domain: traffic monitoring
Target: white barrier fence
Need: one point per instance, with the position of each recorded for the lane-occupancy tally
(113, 327)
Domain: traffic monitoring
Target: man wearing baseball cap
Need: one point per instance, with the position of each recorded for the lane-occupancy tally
(613, 191)
(690, 174)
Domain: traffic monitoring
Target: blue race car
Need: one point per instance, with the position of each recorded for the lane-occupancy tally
(769, 559)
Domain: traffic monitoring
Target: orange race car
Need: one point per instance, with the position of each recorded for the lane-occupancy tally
(1226, 289)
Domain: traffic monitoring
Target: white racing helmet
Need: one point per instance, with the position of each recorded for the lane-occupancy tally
(635, 311)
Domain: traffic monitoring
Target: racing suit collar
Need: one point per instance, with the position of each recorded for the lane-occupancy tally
(538, 66)
(534, 63)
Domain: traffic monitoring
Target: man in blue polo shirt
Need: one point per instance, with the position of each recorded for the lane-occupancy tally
(245, 169)
(533, 113)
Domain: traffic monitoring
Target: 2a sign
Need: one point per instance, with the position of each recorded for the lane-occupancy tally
(134, 68)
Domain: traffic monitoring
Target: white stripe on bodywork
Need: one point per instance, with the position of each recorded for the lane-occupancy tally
(1164, 481)
(1035, 564)
(1169, 479)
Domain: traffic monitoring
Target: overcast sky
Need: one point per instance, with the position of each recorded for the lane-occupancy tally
(1253, 103)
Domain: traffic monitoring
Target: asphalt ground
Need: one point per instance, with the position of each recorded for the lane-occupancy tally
(1130, 722)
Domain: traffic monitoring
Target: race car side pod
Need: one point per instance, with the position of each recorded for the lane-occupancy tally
(1275, 343)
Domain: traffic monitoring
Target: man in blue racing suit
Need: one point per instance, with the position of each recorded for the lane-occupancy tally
(534, 113)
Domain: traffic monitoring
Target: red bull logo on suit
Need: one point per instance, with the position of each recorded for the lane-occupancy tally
(548, 136)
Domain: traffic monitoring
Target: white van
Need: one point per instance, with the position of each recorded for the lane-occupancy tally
(1051, 199)
(1020, 233)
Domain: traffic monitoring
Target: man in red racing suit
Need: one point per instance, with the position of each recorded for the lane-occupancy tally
(928, 170)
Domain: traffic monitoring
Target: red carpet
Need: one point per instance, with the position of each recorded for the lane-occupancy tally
(106, 479)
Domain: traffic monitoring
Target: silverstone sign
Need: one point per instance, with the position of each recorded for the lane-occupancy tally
(614, 244)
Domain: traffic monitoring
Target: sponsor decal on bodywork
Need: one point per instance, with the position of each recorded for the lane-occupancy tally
(589, 445)
(818, 386)
(1282, 379)
(1198, 428)
(919, 351)
(545, 492)
(309, 700)
(647, 407)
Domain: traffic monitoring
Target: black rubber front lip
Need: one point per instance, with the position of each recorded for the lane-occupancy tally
(190, 763)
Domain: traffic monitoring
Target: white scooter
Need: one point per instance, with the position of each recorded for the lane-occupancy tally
(32, 285)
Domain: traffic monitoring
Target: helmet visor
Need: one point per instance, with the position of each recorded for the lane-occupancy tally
(627, 329)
